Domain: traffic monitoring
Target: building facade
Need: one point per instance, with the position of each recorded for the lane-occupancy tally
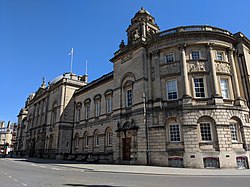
(177, 98)
(7, 138)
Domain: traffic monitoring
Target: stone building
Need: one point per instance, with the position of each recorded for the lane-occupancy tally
(177, 98)
(7, 137)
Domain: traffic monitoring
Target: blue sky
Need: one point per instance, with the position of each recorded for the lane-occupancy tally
(37, 35)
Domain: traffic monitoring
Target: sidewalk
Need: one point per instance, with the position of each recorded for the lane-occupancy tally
(138, 169)
(154, 170)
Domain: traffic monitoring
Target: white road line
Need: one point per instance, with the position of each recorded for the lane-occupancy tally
(15, 180)
(24, 184)
(57, 169)
(34, 165)
(5, 174)
(10, 177)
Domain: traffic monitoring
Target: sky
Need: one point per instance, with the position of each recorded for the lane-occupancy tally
(36, 36)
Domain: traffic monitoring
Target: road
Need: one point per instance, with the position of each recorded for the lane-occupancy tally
(21, 172)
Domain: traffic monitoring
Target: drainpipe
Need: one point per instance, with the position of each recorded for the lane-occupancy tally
(146, 127)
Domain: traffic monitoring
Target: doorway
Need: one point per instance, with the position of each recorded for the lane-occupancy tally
(126, 144)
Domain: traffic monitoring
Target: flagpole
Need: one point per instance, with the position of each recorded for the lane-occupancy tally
(71, 60)
(86, 70)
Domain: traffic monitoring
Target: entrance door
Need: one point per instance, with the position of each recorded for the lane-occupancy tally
(126, 144)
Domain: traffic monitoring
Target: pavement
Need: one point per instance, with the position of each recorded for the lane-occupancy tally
(137, 169)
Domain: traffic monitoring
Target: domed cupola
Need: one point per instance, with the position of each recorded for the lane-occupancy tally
(142, 26)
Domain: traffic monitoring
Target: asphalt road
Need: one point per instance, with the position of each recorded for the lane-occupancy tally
(20, 173)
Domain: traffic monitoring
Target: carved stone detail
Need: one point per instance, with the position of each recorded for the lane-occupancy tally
(223, 67)
(197, 66)
(126, 58)
(173, 68)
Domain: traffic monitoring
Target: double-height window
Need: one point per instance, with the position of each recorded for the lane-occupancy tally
(224, 88)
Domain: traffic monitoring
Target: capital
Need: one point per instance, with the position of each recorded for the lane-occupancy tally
(182, 47)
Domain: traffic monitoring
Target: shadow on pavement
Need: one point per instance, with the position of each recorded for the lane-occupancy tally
(47, 161)
(89, 185)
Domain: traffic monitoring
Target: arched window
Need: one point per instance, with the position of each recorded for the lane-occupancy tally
(108, 137)
(109, 101)
(207, 129)
(87, 108)
(96, 138)
(235, 130)
(85, 140)
(78, 112)
(127, 85)
(97, 100)
(128, 91)
(76, 141)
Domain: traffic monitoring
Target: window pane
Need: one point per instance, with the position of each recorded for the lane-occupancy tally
(87, 110)
(195, 55)
(97, 108)
(233, 130)
(219, 55)
(172, 89)
(199, 87)
(109, 104)
(129, 97)
(170, 58)
(224, 88)
(174, 132)
(205, 129)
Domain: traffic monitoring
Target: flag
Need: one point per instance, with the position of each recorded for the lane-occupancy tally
(71, 52)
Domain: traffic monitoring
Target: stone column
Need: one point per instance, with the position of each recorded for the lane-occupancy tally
(216, 96)
(186, 90)
(213, 73)
(238, 100)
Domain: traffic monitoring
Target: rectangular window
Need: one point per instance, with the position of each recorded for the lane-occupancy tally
(219, 55)
(87, 111)
(233, 130)
(97, 108)
(109, 104)
(199, 87)
(172, 92)
(129, 98)
(170, 58)
(174, 133)
(224, 88)
(205, 129)
(195, 55)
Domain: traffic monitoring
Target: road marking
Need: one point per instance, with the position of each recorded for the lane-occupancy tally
(10, 177)
(24, 184)
(5, 174)
(34, 165)
(15, 180)
(56, 169)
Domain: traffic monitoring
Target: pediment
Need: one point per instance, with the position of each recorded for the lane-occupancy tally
(39, 92)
